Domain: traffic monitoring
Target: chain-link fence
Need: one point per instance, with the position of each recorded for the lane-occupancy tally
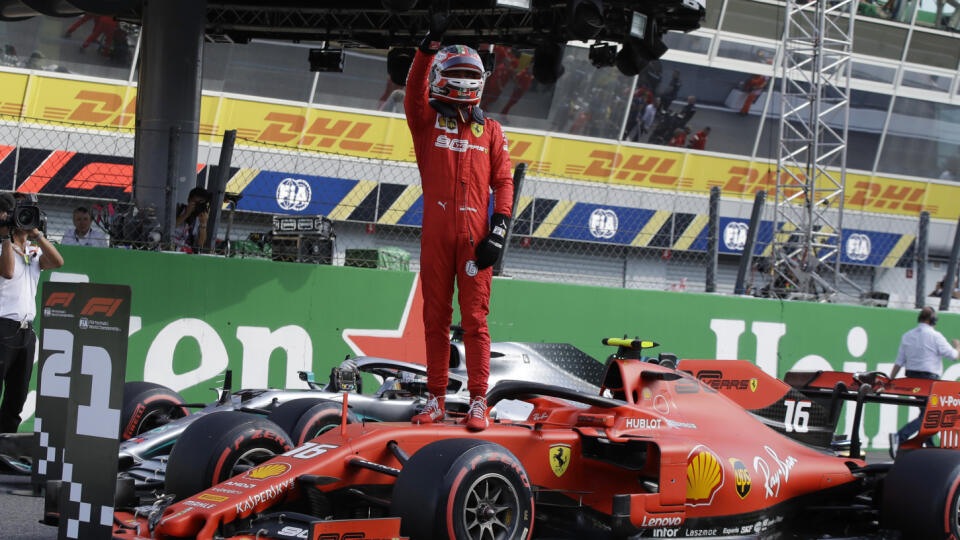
(287, 204)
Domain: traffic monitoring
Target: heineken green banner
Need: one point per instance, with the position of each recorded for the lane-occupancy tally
(192, 317)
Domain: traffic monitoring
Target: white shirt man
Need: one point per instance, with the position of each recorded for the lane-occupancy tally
(20, 264)
(83, 234)
(921, 354)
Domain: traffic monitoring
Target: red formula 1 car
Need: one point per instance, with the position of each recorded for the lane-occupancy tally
(699, 448)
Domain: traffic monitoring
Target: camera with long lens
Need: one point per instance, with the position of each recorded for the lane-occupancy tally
(25, 215)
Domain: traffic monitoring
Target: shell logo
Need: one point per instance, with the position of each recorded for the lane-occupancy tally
(267, 471)
(704, 476)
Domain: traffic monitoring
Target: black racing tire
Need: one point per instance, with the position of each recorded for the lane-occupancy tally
(148, 405)
(447, 483)
(221, 445)
(306, 418)
(921, 496)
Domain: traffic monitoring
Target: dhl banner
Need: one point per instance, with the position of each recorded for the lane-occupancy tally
(387, 203)
(40, 98)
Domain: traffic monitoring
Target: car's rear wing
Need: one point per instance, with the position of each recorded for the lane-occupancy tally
(941, 400)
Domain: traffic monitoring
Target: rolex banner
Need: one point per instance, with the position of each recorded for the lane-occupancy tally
(83, 353)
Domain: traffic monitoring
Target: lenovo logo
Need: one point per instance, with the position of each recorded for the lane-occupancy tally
(107, 306)
(60, 299)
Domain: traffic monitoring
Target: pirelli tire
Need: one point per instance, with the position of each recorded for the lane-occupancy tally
(306, 418)
(218, 446)
(463, 489)
(921, 494)
(148, 405)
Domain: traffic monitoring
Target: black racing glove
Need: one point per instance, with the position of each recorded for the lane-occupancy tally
(488, 251)
(433, 40)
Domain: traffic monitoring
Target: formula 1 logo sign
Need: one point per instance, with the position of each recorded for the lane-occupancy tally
(59, 299)
(735, 235)
(294, 194)
(858, 247)
(107, 306)
(604, 223)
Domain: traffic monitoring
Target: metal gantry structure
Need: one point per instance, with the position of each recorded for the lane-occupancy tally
(815, 68)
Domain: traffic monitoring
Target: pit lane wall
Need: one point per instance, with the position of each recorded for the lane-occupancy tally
(195, 316)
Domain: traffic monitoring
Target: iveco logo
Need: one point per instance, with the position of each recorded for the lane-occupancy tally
(858, 247)
(293, 194)
(735, 235)
(604, 223)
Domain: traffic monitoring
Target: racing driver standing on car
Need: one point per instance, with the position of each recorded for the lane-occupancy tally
(461, 155)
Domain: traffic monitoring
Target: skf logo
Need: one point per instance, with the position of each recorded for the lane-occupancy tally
(742, 477)
(477, 130)
(753, 384)
(559, 458)
(704, 476)
(637, 168)
(872, 196)
(447, 124)
(107, 306)
(60, 299)
(267, 471)
(858, 247)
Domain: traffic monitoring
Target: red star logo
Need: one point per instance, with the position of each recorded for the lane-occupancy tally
(405, 344)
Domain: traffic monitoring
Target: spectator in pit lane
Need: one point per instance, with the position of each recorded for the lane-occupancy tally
(673, 88)
(921, 355)
(83, 234)
(23, 255)
(688, 110)
(679, 137)
(699, 139)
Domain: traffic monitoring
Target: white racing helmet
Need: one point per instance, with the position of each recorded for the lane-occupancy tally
(457, 90)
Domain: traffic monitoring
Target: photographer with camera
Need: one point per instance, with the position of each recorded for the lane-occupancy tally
(24, 253)
(191, 229)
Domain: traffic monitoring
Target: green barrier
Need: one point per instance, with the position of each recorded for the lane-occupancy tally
(195, 316)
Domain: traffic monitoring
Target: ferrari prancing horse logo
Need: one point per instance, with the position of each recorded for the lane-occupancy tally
(559, 458)
(753, 385)
(477, 129)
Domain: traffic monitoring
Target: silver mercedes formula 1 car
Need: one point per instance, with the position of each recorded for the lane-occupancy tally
(168, 446)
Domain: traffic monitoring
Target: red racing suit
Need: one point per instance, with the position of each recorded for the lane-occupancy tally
(459, 164)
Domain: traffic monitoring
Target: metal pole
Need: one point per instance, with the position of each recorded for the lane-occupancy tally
(218, 186)
(519, 172)
(921, 255)
(170, 212)
(946, 292)
(747, 256)
(713, 240)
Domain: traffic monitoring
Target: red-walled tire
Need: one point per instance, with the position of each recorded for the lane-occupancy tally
(463, 489)
(218, 446)
(921, 494)
(306, 418)
(148, 405)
